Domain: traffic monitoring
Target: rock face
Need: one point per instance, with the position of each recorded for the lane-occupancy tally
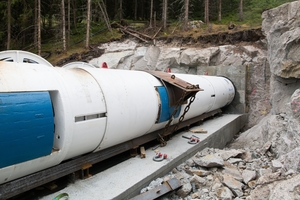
(281, 127)
(275, 139)
(281, 27)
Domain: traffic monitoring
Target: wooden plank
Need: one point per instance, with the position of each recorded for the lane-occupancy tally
(135, 35)
(143, 152)
(156, 33)
(198, 130)
(86, 166)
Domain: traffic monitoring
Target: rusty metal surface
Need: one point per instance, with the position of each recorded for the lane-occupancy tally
(172, 79)
(18, 186)
(159, 191)
(179, 92)
(176, 87)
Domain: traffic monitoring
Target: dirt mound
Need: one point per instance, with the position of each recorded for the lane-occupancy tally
(85, 56)
(215, 39)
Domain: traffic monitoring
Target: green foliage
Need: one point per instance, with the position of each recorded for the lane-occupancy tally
(266, 4)
(254, 9)
(22, 18)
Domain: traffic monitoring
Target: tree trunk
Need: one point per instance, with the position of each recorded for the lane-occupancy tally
(39, 27)
(220, 11)
(151, 14)
(104, 13)
(154, 21)
(206, 17)
(164, 14)
(186, 14)
(35, 35)
(121, 10)
(74, 13)
(50, 20)
(241, 11)
(8, 23)
(116, 9)
(135, 9)
(69, 22)
(143, 16)
(63, 20)
(87, 44)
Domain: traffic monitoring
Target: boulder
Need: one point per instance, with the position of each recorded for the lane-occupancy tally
(233, 184)
(211, 160)
(286, 189)
(248, 175)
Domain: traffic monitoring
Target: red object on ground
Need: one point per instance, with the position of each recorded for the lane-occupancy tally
(104, 65)
(169, 70)
(162, 155)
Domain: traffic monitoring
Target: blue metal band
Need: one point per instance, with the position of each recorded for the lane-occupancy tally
(165, 110)
(26, 126)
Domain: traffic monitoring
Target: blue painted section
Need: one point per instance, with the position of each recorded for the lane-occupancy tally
(165, 111)
(26, 126)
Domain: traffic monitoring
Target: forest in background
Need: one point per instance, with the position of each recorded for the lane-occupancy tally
(58, 25)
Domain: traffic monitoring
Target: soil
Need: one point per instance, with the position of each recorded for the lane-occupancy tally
(85, 56)
(250, 36)
(232, 37)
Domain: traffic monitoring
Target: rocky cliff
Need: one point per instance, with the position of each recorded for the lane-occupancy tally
(280, 129)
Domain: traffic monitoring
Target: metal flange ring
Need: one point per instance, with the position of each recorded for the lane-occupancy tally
(158, 158)
(192, 142)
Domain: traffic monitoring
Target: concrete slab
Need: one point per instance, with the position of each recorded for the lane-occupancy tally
(126, 179)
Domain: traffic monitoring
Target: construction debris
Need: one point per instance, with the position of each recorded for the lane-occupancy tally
(159, 191)
(141, 36)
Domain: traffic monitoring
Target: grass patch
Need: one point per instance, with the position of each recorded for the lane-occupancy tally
(78, 42)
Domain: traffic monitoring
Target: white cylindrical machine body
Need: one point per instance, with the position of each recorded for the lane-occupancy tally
(87, 112)
(217, 92)
(93, 108)
(131, 103)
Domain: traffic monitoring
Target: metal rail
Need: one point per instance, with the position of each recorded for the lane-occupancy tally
(21, 185)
